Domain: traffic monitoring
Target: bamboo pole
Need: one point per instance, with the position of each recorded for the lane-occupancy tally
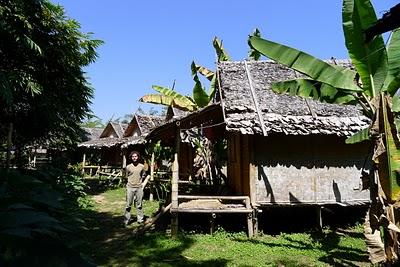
(174, 186)
(83, 162)
(124, 159)
(9, 145)
(151, 197)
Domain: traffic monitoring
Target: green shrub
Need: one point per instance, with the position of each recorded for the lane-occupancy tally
(36, 228)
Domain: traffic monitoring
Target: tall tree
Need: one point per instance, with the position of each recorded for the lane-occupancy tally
(44, 93)
(373, 84)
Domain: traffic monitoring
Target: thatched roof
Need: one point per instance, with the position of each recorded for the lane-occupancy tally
(280, 113)
(144, 124)
(101, 142)
(120, 134)
(174, 113)
(114, 129)
(148, 122)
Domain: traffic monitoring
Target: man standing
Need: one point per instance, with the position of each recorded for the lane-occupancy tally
(135, 173)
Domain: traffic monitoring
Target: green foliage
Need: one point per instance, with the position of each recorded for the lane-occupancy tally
(316, 69)
(36, 224)
(392, 82)
(200, 95)
(42, 81)
(169, 97)
(370, 58)
(254, 54)
(358, 137)
(92, 121)
(222, 55)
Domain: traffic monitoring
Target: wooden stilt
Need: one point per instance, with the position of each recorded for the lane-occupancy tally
(255, 222)
(151, 197)
(319, 217)
(83, 162)
(250, 225)
(174, 187)
(124, 159)
(212, 223)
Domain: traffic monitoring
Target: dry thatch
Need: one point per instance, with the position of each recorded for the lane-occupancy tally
(280, 113)
(139, 127)
(119, 134)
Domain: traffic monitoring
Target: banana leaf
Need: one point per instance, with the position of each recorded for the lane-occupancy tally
(318, 91)
(390, 184)
(254, 54)
(181, 99)
(222, 55)
(392, 82)
(396, 103)
(358, 137)
(203, 71)
(165, 100)
(300, 87)
(200, 96)
(307, 64)
(369, 59)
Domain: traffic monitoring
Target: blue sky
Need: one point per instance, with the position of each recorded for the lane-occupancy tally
(153, 42)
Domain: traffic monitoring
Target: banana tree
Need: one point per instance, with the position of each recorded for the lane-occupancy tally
(201, 98)
(373, 85)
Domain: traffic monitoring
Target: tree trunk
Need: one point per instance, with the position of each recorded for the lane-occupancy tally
(9, 146)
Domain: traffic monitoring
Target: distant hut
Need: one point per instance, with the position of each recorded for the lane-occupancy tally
(282, 150)
(137, 130)
(116, 139)
(104, 150)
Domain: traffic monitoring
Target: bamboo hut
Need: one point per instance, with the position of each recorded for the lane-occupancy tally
(282, 150)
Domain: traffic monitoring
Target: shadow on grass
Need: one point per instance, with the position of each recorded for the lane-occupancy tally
(335, 253)
(110, 243)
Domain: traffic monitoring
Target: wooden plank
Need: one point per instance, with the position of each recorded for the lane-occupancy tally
(214, 197)
(230, 210)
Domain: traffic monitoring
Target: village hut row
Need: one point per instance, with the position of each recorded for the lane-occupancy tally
(109, 146)
(282, 149)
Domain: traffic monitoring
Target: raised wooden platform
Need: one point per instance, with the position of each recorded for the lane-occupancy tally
(217, 205)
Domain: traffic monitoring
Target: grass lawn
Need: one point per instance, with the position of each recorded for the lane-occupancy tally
(109, 243)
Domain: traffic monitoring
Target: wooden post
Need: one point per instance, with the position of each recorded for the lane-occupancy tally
(174, 186)
(250, 226)
(124, 159)
(151, 197)
(212, 223)
(83, 162)
(9, 145)
(255, 222)
(319, 217)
